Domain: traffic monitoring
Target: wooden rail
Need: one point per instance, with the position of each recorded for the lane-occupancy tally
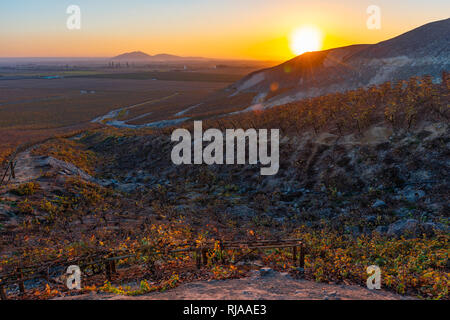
(107, 261)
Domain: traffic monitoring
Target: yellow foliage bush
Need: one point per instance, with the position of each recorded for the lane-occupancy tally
(27, 189)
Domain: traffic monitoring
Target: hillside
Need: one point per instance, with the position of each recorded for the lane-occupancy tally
(363, 180)
(422, 51)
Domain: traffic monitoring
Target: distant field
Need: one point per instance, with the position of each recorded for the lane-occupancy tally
(31, 122)
(34, 109)
(169, 76)
(107, 84)
(36, 73)
(44, 104)
(15, 95)
(70, 110)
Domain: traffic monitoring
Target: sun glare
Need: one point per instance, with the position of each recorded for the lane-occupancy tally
(306, 39)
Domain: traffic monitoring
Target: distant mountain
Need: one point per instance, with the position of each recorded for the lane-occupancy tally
(422, 51)
(138, 55)
(165, 56)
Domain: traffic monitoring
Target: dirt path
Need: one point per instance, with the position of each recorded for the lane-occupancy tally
(110, 118)
(30, 167)
(273, 286)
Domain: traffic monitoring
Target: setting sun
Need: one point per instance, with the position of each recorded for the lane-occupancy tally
(306, 39)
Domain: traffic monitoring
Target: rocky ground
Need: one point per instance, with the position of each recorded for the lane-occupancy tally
(380, 182)
(391, 183)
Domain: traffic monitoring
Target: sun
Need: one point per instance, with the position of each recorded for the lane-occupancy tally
(306, 39)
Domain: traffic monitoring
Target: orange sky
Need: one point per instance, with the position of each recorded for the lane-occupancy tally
(246, 29)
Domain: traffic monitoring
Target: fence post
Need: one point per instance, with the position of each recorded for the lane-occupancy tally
(113, 266)
(3, 293)
(205, 256)
(198, 258)
(222, 256)
(302, 256)
(20, 281)
(12, 169)
(108, 270)
(47, 274)
(4, 175)
(294, 255)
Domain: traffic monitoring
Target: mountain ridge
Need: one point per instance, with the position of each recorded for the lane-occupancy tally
(139, 55)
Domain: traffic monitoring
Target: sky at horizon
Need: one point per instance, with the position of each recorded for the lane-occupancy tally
(232, 29)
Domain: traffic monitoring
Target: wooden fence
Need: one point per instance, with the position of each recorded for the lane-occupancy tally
(107, 261)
